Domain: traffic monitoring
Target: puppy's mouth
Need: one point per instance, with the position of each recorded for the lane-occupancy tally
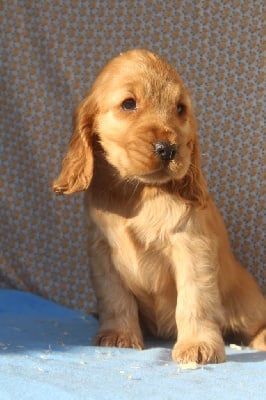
(167, 172)
(171, 162)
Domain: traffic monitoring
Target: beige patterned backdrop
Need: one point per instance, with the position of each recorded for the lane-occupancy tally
(50, 53)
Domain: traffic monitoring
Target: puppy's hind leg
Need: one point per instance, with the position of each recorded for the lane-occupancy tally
(246, 311)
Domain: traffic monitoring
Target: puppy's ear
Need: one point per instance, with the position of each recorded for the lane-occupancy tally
(193, 186)
(77, 166)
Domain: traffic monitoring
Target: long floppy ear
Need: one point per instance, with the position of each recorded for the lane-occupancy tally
(193, 187)
(77, 166)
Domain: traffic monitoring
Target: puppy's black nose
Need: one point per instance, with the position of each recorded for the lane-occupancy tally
(165, 151)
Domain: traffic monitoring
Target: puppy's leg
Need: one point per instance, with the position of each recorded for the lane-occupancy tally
(199, 313)
(245, 309)
(117, 307)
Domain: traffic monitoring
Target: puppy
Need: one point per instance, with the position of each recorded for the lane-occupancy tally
(160, 257)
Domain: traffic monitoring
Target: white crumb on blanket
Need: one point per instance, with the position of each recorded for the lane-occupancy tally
(235, 346)
(190, 365)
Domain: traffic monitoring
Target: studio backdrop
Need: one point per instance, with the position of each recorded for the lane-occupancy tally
(51, 50)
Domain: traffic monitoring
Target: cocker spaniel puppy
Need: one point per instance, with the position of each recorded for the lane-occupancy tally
(160, 257)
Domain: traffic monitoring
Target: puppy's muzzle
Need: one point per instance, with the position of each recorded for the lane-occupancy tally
(165, 150)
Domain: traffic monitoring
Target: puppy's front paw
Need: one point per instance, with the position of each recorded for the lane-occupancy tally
(200, 352)
(118, 339)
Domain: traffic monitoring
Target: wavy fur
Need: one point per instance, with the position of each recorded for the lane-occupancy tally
(160, 257)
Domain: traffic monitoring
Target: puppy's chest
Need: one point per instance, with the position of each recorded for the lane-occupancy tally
(156, 223)
(141, 247)
(144, 265)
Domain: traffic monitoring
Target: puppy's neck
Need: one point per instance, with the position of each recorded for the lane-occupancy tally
(110, 192)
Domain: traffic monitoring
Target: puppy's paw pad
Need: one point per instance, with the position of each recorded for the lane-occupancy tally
(200, 353)
(118, 339)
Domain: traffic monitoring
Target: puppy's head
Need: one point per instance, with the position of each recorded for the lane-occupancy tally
(141, 113)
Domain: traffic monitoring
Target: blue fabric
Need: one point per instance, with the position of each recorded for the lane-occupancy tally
(46, 353)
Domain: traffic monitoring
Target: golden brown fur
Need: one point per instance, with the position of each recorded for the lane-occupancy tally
(159, 253)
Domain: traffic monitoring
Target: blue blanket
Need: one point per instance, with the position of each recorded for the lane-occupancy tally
(46, 353)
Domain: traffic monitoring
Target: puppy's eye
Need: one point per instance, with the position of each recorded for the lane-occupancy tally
(129, 105)
(181, 109)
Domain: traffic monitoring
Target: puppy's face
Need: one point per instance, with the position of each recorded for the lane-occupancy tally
(144, 118)
(141, 113)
